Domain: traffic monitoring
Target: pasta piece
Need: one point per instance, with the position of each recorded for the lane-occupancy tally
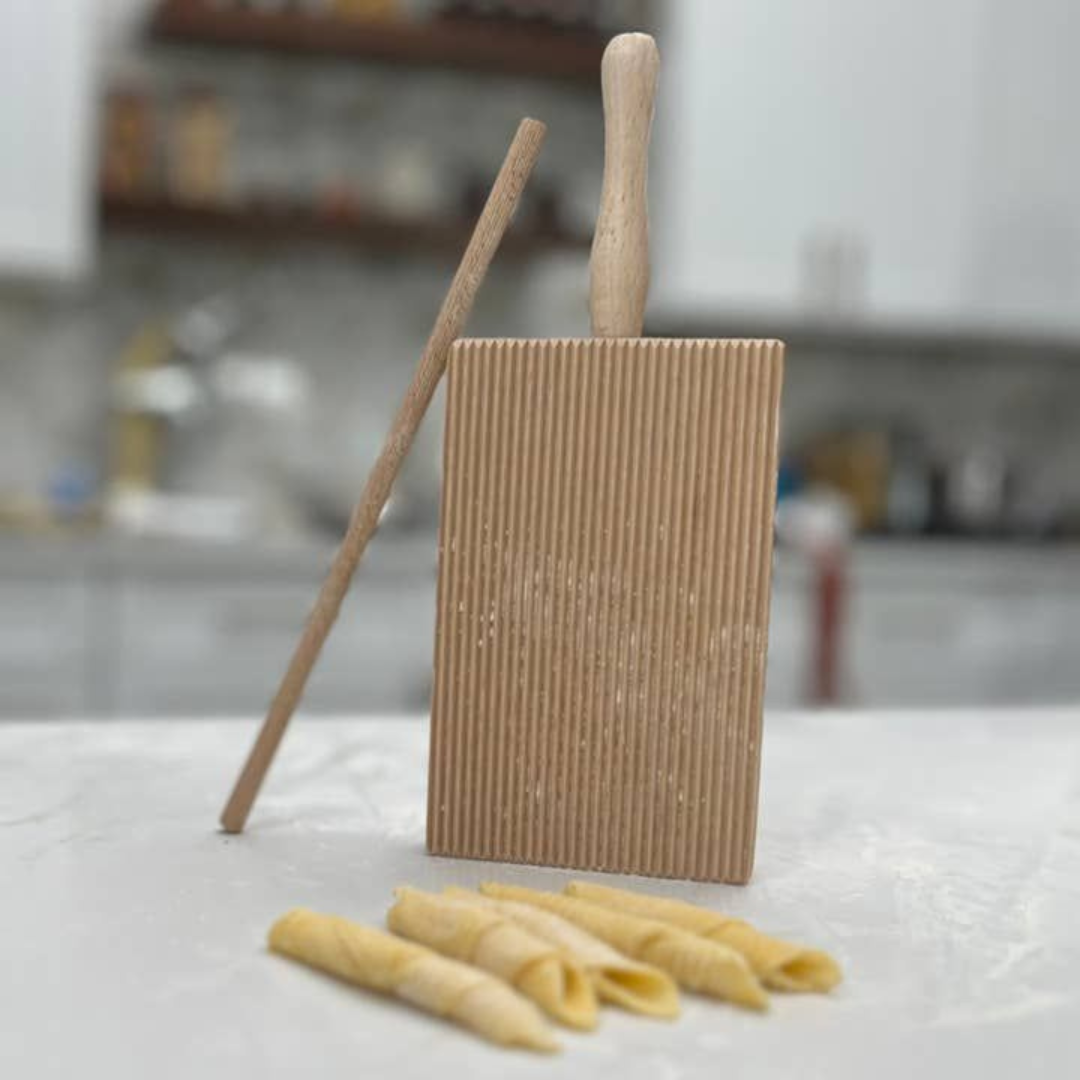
(779, 964)
(708, 967)
(380, 962)
(488, 939)
(636, 987)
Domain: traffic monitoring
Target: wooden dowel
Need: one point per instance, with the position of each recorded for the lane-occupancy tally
(496, 215)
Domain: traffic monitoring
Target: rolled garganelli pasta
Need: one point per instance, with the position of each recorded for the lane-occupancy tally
(780, 965)
(490, 940)
(707, 967)
(378, 961)
(617, 979)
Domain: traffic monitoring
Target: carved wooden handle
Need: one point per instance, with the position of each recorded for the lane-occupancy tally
(620, 251)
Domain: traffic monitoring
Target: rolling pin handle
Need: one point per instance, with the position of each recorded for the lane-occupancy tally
(619, 266)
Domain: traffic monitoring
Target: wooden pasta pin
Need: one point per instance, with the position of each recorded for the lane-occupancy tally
(492, 224)
(780, 965)
(377, 961)
(706, 967)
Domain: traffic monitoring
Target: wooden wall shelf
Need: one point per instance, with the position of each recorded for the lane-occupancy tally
(366, 229)
(481, 45)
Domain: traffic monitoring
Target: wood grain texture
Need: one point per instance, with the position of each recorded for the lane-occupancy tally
(492, 224)
(605, 566)
(619, 264)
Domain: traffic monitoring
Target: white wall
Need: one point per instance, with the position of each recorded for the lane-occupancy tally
(47, 128)
(939, 133)
(1026, 256)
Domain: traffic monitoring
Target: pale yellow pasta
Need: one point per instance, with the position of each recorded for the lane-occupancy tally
(780, 965)
(707, 967)
(378, 961)
(617, 979)
(490, 940)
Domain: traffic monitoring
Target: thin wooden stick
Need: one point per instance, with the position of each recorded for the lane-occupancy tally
(499, 209)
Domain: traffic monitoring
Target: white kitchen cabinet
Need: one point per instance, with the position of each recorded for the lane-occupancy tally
(188, 647)
(995, 647)
(788, 672)
(196, 648)
(901, 163)
(119, 629)
(936, 625)
(43, 646)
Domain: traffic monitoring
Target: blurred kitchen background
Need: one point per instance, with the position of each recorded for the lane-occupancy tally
(226, 227)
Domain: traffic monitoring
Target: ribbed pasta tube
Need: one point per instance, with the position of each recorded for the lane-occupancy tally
(706, 967)
(378, 961)
(490, 940)
(780, 965)
(617, 979)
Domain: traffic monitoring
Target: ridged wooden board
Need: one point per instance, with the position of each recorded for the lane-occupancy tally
(605, 566)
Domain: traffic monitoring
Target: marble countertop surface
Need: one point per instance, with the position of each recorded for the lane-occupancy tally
(936, 854)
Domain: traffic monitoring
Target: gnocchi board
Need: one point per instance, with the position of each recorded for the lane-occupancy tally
(605, 571)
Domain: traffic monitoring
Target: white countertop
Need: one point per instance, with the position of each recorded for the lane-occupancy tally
(936, 854)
